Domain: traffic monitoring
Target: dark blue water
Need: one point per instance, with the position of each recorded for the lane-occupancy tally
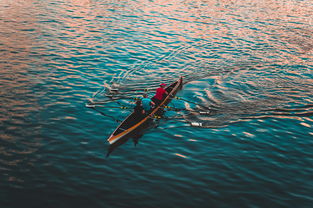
(249, 61)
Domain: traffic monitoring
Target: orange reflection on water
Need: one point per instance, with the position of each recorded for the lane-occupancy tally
(238, 20)
(180, 155)
(19, 29)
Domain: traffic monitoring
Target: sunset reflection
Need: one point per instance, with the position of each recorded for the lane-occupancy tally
(73, 70)
(19, 31)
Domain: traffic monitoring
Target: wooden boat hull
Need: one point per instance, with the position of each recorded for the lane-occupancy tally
(134, 122)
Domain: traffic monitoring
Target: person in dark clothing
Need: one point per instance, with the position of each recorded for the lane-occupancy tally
(139, 109)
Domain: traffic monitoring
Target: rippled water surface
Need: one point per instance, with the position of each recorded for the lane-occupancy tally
(249, 61)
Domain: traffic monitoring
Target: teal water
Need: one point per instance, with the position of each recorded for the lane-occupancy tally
(250, 61)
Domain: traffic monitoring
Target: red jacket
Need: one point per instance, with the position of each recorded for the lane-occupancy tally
(160, 93)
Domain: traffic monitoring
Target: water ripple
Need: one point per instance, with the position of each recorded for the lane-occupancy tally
(249, 62)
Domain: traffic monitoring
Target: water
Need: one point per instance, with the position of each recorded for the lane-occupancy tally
(250, 61)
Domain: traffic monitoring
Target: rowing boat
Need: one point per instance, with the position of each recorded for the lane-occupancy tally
(133, 122)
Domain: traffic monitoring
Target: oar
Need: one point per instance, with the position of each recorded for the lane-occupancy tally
(94, 105)
(196, 124)
(133, 90)
(91, 105)
(188, 101)
(184, 109)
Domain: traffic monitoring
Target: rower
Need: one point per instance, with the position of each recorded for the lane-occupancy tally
(147, 103)
(160, 93)
(138, 109)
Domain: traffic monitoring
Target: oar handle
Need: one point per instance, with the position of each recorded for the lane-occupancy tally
(88, 105)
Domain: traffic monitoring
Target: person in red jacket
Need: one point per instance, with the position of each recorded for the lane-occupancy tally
(160, 94)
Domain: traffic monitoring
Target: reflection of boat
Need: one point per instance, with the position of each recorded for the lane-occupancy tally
(134, 122)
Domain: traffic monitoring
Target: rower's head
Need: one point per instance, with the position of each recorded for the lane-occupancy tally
(145, 95)
(138, 102)
(162, 85)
